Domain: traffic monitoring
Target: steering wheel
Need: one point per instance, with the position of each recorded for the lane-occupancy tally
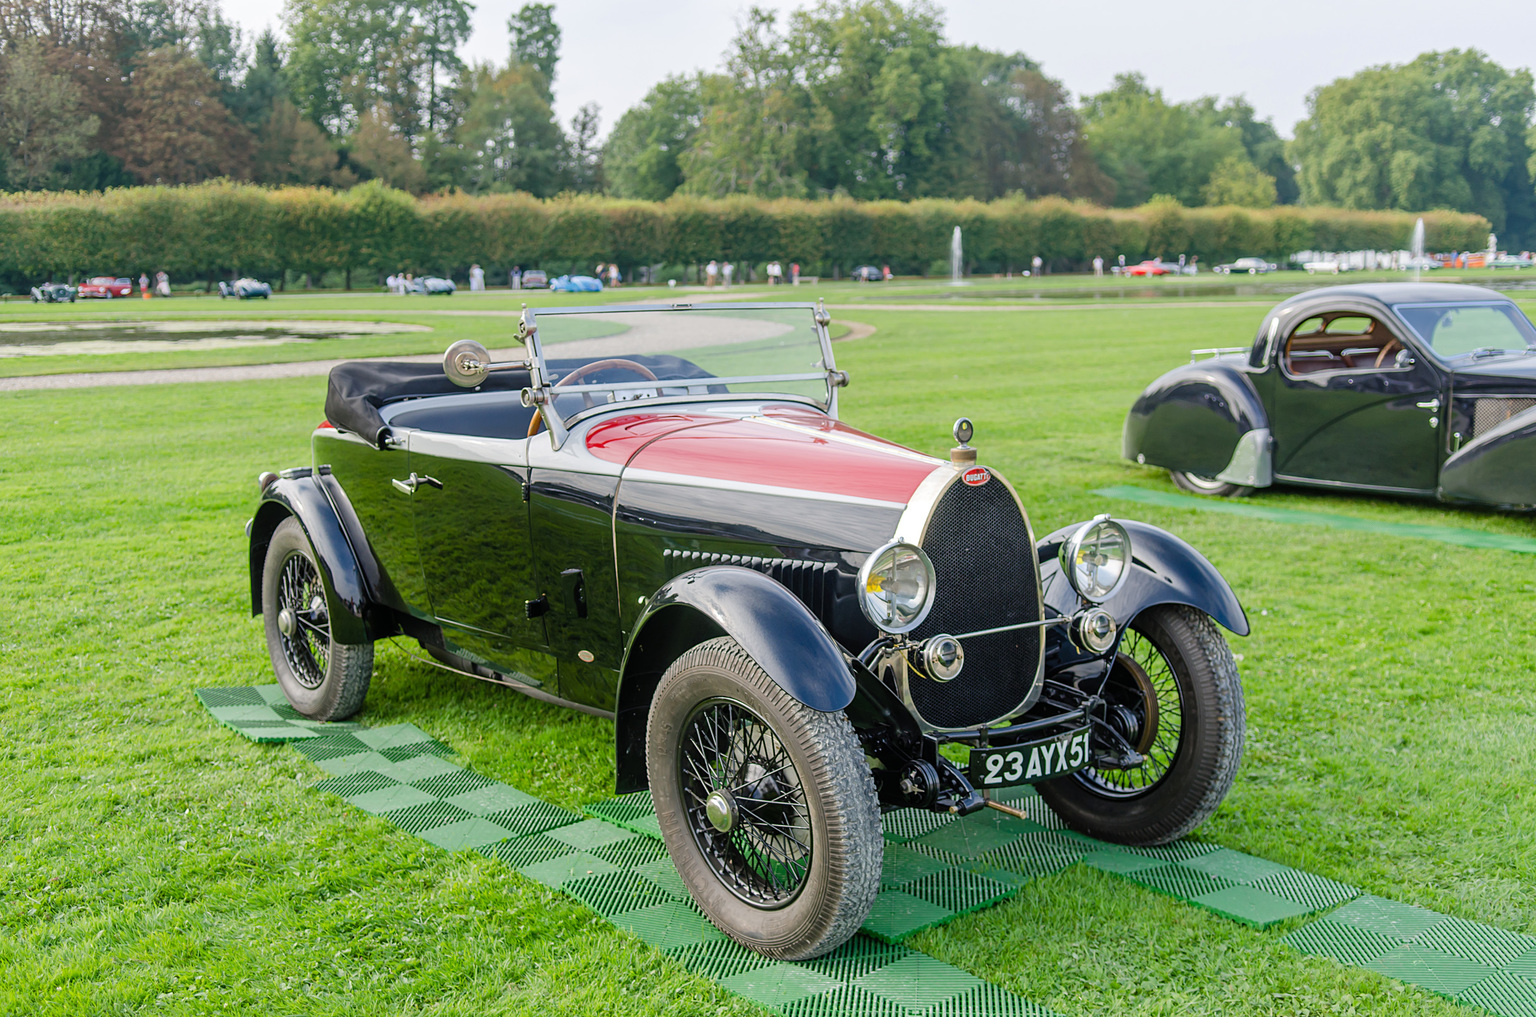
(584, 370)
(1392, 346)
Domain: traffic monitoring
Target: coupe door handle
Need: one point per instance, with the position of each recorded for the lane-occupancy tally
(409, 486)
(1432, 406)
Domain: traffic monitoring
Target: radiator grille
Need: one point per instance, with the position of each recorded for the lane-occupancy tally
(985, 566)
(1490, 413)
(813, 582)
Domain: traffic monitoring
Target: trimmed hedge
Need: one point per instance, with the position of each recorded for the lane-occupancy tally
(218, 228)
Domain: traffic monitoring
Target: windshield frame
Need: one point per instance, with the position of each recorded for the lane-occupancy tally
(1451, 359)
(538, 392)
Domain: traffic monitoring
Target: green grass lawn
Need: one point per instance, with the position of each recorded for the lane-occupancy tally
(154, 861)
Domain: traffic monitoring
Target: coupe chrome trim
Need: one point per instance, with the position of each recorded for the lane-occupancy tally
(1252, 462)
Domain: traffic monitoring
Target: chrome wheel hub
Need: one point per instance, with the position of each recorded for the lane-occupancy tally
(287, 622)
(720, 809)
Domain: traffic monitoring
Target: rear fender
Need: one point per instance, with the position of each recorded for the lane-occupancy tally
(1203, 418)
(771, 625)
(354, 618)
(1495, 467)
(1164, 570)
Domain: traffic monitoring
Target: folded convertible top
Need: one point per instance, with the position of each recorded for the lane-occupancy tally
(358, 388)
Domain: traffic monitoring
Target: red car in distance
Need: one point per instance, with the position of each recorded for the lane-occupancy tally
(106, 286)
(1155, 267)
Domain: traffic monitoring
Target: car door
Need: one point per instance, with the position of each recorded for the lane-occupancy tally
(1356, 403)
(571, 507)
(365, 479)
(471, 504)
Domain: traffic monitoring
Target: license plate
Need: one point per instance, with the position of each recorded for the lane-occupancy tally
(1011, 765)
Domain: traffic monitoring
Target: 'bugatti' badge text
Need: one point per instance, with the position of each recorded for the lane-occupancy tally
(976, 476)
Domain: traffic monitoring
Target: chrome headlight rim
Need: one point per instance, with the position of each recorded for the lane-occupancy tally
(1074, 543)
(871, 612)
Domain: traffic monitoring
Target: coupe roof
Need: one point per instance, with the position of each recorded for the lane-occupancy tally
(1397, 293)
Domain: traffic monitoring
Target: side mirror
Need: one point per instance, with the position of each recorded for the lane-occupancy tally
(467, 363)
(1404, 359)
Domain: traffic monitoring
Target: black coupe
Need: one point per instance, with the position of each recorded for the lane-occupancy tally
(1423, 389)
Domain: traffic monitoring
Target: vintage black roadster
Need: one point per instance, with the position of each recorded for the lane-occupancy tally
(1421, 389)
(654, 514)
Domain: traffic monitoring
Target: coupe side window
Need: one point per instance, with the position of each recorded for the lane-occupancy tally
(1341, 342)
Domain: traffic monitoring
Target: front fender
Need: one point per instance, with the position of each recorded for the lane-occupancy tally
(1495, 468)
(1164, 570)
(347, 597)
(1203, 418)
(771, 625)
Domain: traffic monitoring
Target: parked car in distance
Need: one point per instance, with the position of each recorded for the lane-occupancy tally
(1420, 389)
(1510, 261)
(868, 273)
(1153, 267)
(53, 293)
(1253, 266)
(245, 289)
(431, 285)
(535, 279)
(1331, 267)
(576, 284)
(655, 514)
(105, 287)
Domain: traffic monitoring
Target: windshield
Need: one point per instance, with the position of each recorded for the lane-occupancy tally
(594, 358)
(1459, 330)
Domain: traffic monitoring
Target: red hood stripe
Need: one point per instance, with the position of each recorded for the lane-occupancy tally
(786, 448)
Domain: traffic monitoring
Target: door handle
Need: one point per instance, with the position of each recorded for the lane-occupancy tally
(1432, 406)
(409, 486)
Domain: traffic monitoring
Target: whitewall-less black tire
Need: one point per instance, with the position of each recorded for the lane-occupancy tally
(1175, 696)
(323, 679)
(767, 807)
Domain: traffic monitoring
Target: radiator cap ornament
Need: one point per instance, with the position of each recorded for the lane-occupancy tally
(962, 455)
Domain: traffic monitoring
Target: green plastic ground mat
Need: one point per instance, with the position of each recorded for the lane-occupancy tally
(262, 714)
(620, 870)
(1443, 534)
(1469, 962)
(939, 867)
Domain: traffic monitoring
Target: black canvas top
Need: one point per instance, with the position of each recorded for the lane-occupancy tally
(358, 388)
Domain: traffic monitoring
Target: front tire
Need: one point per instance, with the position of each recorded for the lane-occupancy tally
(1173, 693)
(767, 806)
(323, 679)
(1209, 486)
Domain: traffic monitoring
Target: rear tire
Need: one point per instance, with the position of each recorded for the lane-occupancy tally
(323, 679)
(1174, 694)
(1208, 486)
(788, 862)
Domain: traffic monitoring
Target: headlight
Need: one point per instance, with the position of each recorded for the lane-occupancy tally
(896, 587)
(1096, 558)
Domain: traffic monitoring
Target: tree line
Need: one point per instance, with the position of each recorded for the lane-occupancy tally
(220, 229)
(864, 99)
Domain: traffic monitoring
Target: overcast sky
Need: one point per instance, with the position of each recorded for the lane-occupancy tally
(1272, 52)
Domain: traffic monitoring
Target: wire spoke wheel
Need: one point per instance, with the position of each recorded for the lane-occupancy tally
(1173, 696)
(1146, 708)
(303, 624)
(767, 806)
(737, 774)
(321, 678)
